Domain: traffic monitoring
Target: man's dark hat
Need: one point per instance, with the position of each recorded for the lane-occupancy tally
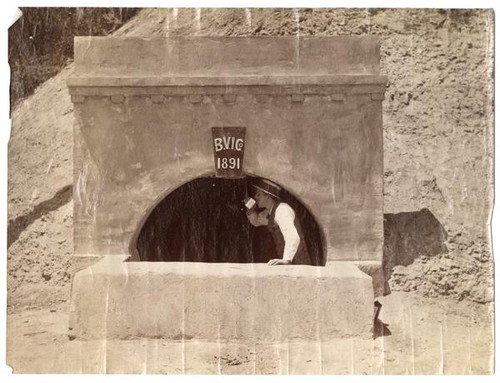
(268, 187)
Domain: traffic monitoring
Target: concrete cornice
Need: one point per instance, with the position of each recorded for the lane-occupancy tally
(159, 81)
(336, 86)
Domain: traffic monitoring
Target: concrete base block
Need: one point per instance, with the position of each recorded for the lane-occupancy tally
(174, 300)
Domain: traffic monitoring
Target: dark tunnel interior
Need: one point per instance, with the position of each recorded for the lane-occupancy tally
(204, 221)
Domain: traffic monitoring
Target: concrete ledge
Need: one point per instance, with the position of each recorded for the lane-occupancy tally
(175, 300)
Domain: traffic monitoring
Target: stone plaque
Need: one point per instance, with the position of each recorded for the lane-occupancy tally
(229, 147)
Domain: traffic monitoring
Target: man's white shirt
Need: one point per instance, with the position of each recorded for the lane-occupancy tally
(285, 218)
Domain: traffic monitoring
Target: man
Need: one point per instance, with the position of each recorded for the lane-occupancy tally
(281, 221)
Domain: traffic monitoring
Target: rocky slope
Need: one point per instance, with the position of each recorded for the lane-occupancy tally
(438, 140)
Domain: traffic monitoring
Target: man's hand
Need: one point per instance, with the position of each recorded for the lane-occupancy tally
(257, 219)
(273, 262)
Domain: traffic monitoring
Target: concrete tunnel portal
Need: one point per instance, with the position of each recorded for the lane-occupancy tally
(204, 220)
(162, 118)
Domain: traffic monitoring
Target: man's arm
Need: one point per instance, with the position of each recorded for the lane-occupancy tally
(285, 218)
(257, 219)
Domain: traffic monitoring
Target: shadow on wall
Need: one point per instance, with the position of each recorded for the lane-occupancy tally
(410, 235)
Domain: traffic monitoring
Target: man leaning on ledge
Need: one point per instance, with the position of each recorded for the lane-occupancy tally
(282, 223)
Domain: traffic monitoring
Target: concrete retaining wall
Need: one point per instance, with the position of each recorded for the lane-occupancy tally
(220, 301)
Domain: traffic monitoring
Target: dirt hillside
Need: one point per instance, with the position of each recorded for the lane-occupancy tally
(438, 141)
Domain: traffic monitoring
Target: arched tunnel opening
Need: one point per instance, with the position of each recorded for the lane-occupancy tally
(205, 220)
